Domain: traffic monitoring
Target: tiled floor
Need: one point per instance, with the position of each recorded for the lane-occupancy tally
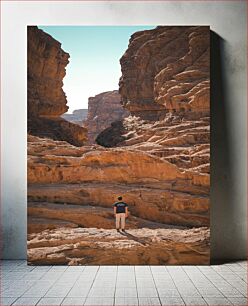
(123, 285)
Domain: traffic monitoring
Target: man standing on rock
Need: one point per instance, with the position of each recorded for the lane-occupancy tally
(121, 213)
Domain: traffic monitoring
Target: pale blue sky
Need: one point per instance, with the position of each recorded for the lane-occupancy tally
(94, 58)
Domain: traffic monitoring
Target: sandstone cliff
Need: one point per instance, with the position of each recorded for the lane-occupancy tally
(46, 98)
(167, 66)
(165, 86)
(103, 109)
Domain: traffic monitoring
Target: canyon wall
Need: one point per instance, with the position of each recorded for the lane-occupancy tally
(46, 98)
(103, 109)
(167, 66)
(156, 157)
(165, 84)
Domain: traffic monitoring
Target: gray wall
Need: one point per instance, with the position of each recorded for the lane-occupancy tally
(229, 96)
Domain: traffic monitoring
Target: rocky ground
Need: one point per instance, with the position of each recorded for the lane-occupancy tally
(45, 215)
(94, 246)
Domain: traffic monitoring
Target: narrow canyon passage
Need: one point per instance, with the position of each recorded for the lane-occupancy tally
(149, 142)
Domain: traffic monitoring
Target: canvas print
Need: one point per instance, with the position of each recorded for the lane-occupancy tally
(118, 145)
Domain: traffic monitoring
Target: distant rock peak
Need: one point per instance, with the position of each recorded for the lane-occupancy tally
(78, 116)
(103, 109)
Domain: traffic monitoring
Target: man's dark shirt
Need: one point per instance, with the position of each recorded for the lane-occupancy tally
(120, 207)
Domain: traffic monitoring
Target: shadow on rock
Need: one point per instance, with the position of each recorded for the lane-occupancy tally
(143, 241)
(111, 136)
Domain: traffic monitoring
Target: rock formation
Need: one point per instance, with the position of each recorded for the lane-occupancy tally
(80, 246)
(157, 158)
(167, 66)
(78, 116)
(46, 98)
(165, 86)
(103, 109)
(50, 215)
(155, 189)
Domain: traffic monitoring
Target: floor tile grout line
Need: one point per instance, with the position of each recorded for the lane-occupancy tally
(72, 286)
(245, 266)
(212, 267)
(38, 301)
(44, 293)
(237, 273)
(115, 284)
(193, 282)
(235, 264)
(155, 285)
(14, 301)
(211, 272)
(98, 267)
(231, 284)
(21, 296)
(26, 291)
(228, 299)
(204, 299)
(236, 304)
(45, 271)
(135, 277)
(175, 284)
(210, 281)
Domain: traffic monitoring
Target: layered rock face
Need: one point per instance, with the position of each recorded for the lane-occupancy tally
(183, 142)
(78, 116)
(155, 189)
(167, 67)
(103, 109)
(46, 98)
